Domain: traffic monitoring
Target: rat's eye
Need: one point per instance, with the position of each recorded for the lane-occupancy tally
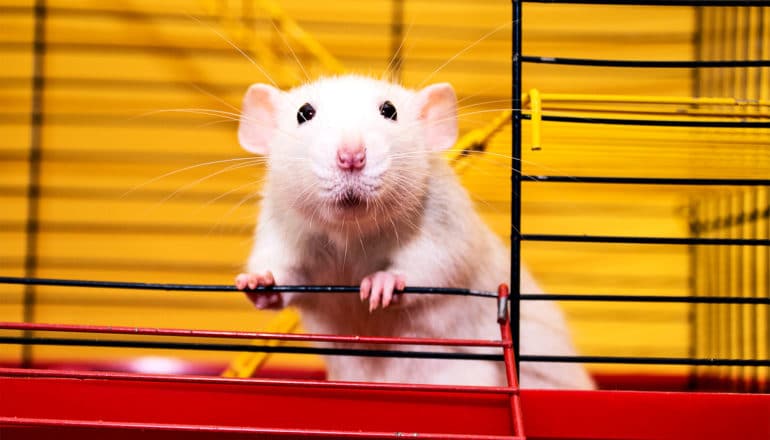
(388, 111)
(305, 113)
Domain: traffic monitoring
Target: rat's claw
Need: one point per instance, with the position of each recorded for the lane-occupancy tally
(366, 286)
(241, 281)
(391, 296)
(377, 286)
(262, 300)
(380, 286)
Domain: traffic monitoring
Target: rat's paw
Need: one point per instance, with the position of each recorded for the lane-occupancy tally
(380, 286)
(261, 300)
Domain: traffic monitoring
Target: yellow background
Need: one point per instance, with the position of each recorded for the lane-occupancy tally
(123, 196)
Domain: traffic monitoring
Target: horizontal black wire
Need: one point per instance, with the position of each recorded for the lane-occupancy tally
(643, 63)
(658, 2)
(207, 346)
(646, 299)
(641, 360)
(228, 287)
(646, 240)
(651, 122)
(353, 289)
(649, 180)
(112, 343)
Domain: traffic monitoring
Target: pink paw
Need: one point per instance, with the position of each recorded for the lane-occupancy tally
(261, 300)
(380, 286)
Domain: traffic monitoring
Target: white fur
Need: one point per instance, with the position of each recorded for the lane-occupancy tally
(417, 220)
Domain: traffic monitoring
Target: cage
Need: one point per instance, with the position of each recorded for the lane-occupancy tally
(632, 135)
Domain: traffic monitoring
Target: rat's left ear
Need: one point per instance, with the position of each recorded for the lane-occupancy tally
(438, 111)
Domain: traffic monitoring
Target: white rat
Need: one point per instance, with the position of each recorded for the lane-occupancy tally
(357, 193)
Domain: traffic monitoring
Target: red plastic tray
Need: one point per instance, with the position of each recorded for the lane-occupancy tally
(50, 404)
(84, 405)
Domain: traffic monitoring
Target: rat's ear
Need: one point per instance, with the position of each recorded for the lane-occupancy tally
(438, 111)
(258, 120)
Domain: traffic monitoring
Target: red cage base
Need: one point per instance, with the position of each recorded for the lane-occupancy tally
(50, 404)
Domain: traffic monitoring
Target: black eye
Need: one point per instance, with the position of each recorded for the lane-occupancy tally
(305, 113)
(388, 111)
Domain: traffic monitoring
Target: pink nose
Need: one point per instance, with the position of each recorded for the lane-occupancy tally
(351, 156)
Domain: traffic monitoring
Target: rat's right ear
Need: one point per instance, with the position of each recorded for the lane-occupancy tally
(258, 120)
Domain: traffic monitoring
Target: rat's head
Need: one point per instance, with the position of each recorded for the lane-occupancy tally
(349, 148)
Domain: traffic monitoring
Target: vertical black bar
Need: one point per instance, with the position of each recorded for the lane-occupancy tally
(758, 53)
(707, 376)
(33, 186)
(753, 282)
(396, 39)
(707, 51)
(715, 288)
(516, 181)
(693, 318)
(766, 388)
(697, 44)
(746, 71)
(730, 50)
(737, 310)
(722, 271)
(721, 38)
(725, 212)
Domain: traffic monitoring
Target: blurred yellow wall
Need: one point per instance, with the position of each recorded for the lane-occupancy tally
(123, 196)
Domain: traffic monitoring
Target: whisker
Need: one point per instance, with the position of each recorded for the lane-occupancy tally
(204, 178)
(209, 124)
(155, 179)
(483, 103)
(467, 48)
(288, 46)
(199, 111)
(207, 93)
(230, 211)
(398, 50)
(361, 237)
(235, 46)
(227, 193)
(227, 116)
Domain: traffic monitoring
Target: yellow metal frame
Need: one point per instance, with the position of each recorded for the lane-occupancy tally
(245, 364)
(298, 34)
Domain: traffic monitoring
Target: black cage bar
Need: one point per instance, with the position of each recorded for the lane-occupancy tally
(712, 240)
